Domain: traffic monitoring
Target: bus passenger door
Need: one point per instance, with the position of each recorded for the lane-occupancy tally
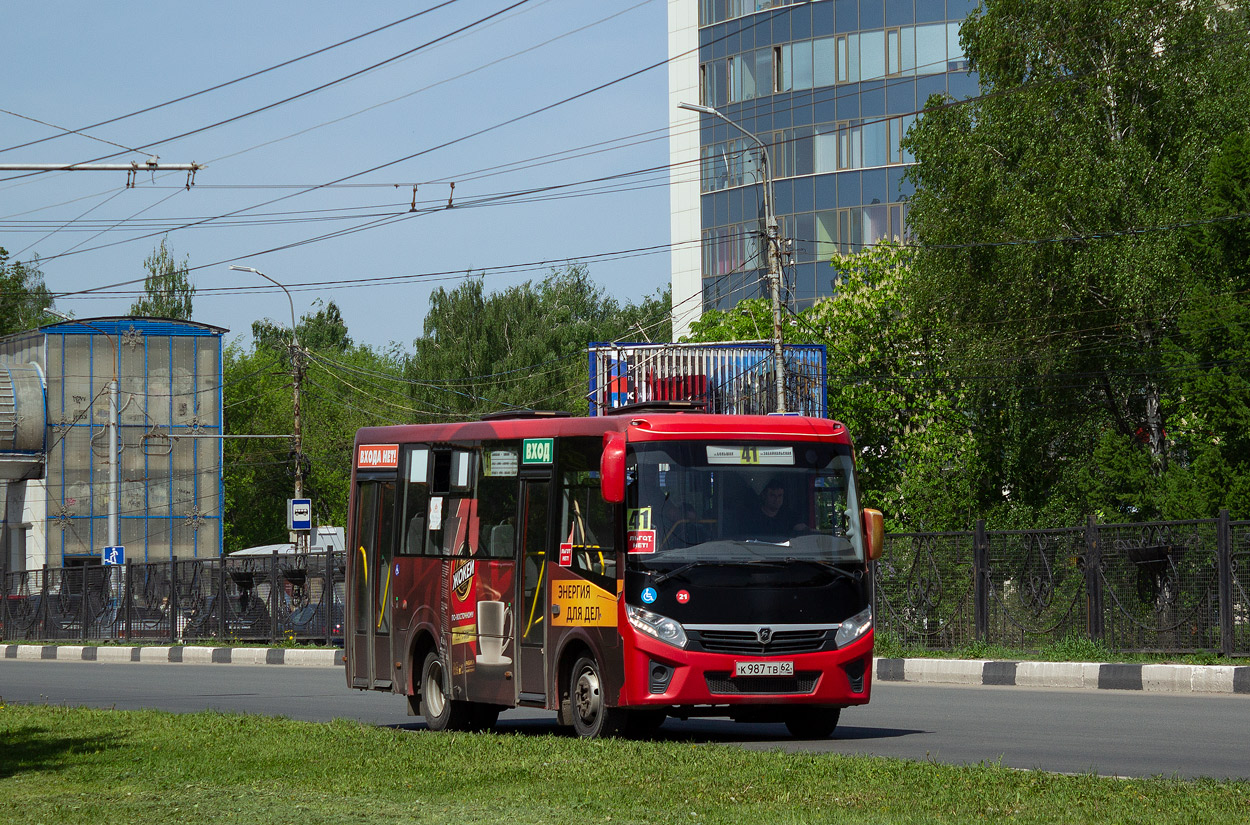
(371, 584)
(532, 626)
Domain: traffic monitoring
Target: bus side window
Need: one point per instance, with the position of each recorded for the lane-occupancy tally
(416, 501)
(415, 534)
(497, 499)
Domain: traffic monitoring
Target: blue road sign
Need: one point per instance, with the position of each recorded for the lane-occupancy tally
(113, 555)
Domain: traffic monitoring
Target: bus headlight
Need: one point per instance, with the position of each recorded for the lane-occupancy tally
(854, 627)
(656, 626)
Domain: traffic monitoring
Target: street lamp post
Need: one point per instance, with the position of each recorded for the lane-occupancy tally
(772, 253)
(301, 538)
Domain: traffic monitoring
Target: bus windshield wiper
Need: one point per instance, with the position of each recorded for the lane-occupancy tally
(677, 571)
(832, 567)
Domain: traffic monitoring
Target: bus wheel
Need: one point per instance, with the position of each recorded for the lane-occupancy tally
(441, 712)
(592, 718)
(813, 723)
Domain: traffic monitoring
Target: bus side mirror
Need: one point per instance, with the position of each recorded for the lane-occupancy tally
(874, 533)
(612, 468)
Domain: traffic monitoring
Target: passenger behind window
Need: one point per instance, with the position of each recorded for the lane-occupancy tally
(502, 541)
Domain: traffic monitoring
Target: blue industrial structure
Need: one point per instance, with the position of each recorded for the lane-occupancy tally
(57, 495)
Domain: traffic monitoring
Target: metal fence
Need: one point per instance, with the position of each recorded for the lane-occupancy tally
(258, 599)
(1166, 586)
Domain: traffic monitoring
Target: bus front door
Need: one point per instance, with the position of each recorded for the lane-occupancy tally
(371, 585)
(532, 627)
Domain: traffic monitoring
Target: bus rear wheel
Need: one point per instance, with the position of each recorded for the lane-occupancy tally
(441, 712)
(592, 718)
(812, 723)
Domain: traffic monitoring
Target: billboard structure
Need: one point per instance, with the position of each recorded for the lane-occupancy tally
(735, 379)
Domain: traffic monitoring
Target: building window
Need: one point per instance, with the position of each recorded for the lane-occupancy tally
(848, 58)
(871, 55)
(824, 61)
(846, 231)
(718, 11)
(931, 48)
(898, 127)
(893, 52)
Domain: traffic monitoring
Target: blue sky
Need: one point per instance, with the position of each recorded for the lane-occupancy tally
(75, 64)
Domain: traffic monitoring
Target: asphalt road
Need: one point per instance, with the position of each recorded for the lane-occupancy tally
(1107, 732)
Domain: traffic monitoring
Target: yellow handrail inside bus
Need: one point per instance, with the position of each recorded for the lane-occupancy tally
(529, 624)
(386, 591)
(588, 557)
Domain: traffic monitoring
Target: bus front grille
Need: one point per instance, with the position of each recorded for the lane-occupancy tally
(746, 642)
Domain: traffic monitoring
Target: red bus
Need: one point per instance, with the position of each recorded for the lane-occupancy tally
(616, 570)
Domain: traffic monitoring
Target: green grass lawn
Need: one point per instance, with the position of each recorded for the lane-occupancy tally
(88, 766)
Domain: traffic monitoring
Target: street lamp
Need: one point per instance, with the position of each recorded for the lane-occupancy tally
(237, 268)
(301, 538)
(113, 457)
(772, 254)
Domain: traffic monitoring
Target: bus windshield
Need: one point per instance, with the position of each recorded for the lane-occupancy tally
(768, 503)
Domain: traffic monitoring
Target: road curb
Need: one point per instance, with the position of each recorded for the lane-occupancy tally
(973, 672)
(1079, 675)
(177, 654)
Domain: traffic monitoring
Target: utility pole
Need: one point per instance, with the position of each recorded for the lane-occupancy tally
(772, 253)
(297, 375)
(774, 288)
(297, 442)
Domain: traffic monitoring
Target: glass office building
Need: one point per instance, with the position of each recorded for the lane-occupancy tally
(830, 87)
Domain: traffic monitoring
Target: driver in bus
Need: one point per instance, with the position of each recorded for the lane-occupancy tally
(773, 519)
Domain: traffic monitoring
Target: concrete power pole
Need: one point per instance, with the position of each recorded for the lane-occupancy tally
(297, 375)
(772, 254)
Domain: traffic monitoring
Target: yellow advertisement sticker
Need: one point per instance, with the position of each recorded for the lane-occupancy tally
(581, 604)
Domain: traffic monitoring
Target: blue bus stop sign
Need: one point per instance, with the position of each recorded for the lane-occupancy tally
(299, 514)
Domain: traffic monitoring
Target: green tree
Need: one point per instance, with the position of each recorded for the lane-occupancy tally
(324, 330)
(1049, 214)
(750, 320)
(524, 346)
(23, 295)
(343, 387)
(1210, 353)
(168, 290)
(917, 459)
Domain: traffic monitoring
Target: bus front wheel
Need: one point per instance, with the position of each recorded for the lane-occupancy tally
(441, 712)
(592, 718)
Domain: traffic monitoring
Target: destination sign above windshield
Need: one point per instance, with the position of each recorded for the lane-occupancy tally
(751, 454)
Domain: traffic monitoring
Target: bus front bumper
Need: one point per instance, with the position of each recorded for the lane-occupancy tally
(658, 674)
